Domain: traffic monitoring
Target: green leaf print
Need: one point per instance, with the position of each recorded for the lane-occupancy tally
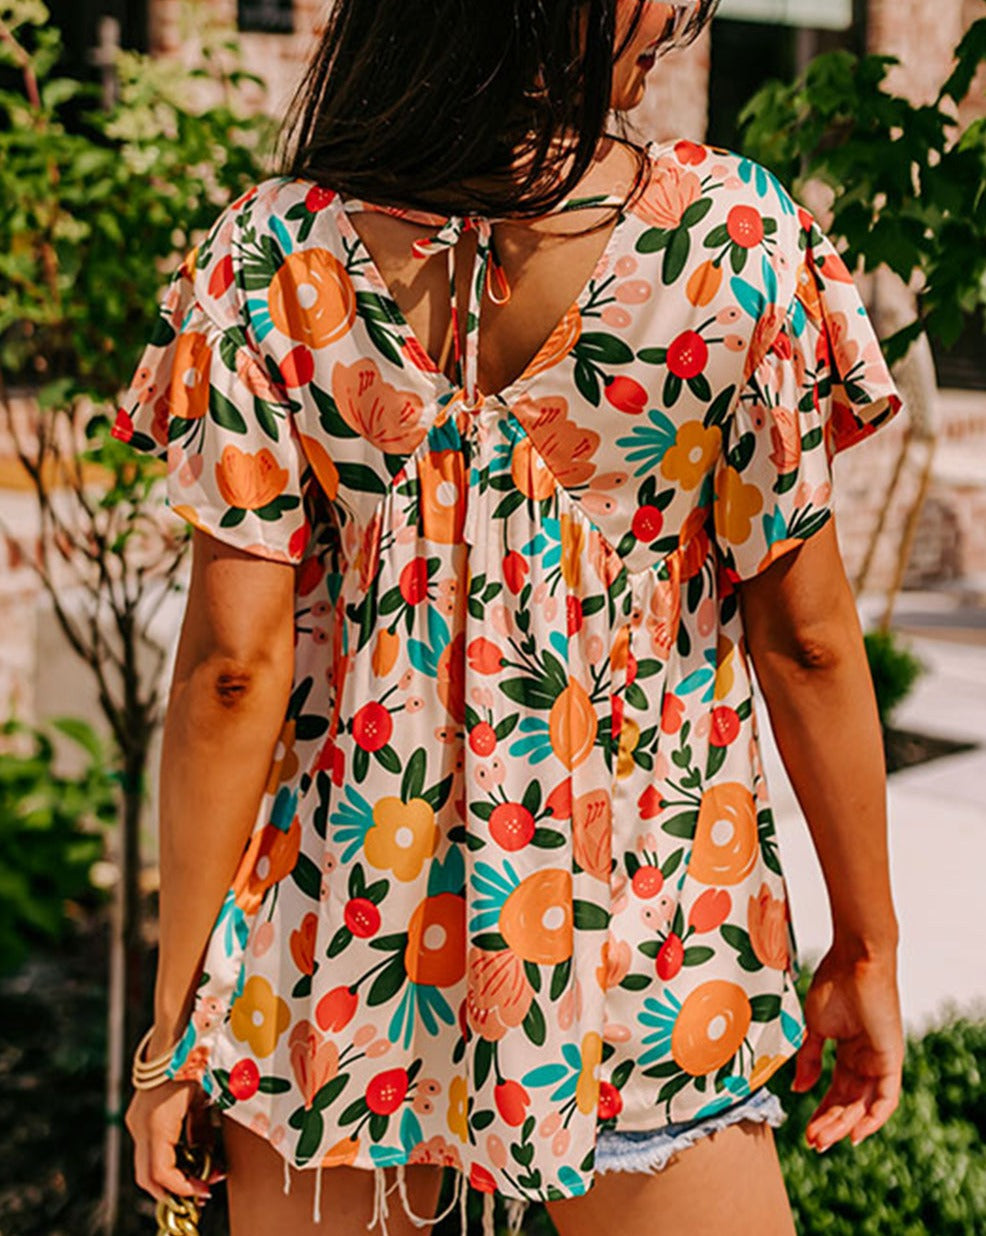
(676, 256)
(412, 783)
(307, 876)
(602, 349)
(225, 413)
(535, 1027)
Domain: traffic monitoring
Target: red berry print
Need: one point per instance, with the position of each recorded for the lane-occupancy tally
(244, 1080)
(688, 355)
(647, 881)
(372, 726)
(511, 826)
(386, 1091)
(647, 523)
(362, 917)
(610, 1100)
(745, 227)
(482, 738)
(725, 726)
(413, 581)
(318, 198)
(671, 957)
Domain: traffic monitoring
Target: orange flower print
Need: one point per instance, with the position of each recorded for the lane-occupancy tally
(572, 725)
(671, 191)
(735, 506)
(694, 451)
(785, 438)
(441, 488)
(191, 367)
(303, 944)
(710, 1026)
(436, 941)
(387, 418)
(767, 924)
(249, 481)
(592, 832)
(193, 1069)
(726, 842)
(270, 856)
(498, 995)
(764, 333)
(530, 473)
(615, 962)
(259, 1016)
(311, 298)
(536, 917)
(567, 448)
(322, 465)
(314, 1059)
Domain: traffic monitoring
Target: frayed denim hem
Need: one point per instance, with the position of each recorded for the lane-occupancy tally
(649, 1151)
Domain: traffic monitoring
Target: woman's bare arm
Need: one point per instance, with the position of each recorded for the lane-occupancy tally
(804, 639)
(231, 685)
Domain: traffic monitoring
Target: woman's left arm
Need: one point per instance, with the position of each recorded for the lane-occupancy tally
(229, 693)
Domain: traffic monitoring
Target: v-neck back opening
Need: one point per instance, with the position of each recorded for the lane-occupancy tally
(371, 273)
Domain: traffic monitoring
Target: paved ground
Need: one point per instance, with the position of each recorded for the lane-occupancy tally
(937, 817)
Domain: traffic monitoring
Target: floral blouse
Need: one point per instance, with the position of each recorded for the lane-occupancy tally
(514, 879)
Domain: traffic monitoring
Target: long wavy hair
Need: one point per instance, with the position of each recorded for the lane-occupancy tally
(463, 106)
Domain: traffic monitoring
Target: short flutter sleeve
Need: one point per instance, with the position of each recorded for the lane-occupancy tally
(821, 385)
(202, 401)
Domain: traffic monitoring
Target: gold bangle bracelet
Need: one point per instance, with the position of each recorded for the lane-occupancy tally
(147, 1073)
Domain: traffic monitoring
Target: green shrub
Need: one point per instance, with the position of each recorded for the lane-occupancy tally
(50, 834)
(894, 669)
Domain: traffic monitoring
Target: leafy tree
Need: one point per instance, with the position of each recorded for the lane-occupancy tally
(94, 213)
(909, 182)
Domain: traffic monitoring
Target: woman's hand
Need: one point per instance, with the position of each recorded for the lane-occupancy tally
(854, 1001)
(155, 1119)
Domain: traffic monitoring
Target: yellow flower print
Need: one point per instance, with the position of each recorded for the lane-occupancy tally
(259, 1017)
(587, 1087)
(695, 448)
(764, 1067)
(736, 504)
(457, 1095)
(629, 738)
(403, 835)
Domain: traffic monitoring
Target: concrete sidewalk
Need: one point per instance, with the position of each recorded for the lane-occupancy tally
(937, 824)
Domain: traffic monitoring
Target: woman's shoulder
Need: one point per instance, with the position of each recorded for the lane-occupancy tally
(706, 205)
(249, 241)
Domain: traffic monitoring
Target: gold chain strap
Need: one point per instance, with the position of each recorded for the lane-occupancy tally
(179, 1216)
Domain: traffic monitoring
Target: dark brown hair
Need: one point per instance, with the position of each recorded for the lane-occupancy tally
(419, 102)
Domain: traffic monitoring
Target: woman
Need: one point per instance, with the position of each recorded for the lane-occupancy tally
(467, 856)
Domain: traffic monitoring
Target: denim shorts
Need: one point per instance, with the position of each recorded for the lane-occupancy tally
(650, 1150)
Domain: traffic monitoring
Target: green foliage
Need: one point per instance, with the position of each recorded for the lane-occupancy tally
(908, 183)
(95, 212)
(894, 669)
(50, 834)
(923, 1172)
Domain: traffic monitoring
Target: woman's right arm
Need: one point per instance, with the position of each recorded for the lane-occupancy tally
(229, 693)
(804, 638)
